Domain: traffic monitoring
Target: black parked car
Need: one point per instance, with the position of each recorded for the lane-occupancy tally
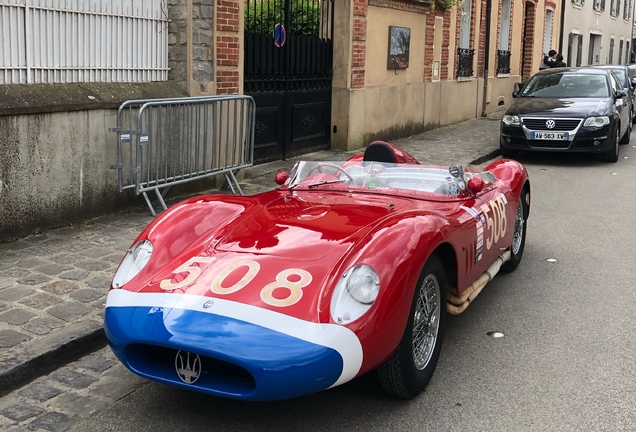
(624, 76)
(568, 110)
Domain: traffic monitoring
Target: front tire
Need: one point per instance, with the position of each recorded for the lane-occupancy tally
(507, 153)
(612, 155)
(518, 235)
(628, 134)
(409, 369)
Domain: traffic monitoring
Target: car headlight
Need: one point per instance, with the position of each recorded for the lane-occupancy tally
(510, 120)
(355, 293)
(135, 260)
(596, 121)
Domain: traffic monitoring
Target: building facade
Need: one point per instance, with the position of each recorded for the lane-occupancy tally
(597, 32)
(336, 74)
(464, 63)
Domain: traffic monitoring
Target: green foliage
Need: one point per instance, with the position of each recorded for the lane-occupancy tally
(261, 17)
(447, 4)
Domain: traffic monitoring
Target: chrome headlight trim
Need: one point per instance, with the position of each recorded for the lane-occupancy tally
(135, 260)
(511, 120)
(597, 122)
(355, 293)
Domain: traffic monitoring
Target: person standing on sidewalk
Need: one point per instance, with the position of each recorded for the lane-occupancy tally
(549, 61)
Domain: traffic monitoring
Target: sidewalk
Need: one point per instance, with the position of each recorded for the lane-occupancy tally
(53, 285)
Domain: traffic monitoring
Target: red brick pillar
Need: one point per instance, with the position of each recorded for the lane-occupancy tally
(429, 42)
(227, 46)
(359, 43)
(443, 73)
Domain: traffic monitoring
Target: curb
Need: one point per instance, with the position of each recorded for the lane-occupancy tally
(50, 354)
(485, 158)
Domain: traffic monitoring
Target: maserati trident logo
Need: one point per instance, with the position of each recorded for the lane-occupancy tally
(188, 366)
(550, 124)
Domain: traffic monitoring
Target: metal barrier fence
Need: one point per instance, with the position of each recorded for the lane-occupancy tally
(163, 142)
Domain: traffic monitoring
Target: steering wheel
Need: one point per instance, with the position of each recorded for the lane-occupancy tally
(332, 165)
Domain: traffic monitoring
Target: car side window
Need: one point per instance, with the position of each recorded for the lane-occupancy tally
(616, 84)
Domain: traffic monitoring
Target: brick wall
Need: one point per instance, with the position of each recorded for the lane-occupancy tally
(359, 43)
(481, 44)
(429, 41)
(527, 48)
(227, 46)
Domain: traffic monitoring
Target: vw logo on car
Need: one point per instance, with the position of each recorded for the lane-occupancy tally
(550, 124)
(188, 366)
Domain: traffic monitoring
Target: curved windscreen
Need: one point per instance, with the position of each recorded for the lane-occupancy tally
(377, 176)
(567, 85)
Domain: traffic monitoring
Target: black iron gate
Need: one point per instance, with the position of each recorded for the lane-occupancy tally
(288, 71)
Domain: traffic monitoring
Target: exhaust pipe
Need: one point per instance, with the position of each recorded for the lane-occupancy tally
(458, 303)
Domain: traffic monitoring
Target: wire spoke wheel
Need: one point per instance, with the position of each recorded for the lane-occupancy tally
(517, 235)
(410, 368)
(426, 321)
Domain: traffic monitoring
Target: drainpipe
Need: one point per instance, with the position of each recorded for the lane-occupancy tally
(561, 30)
(486, 57)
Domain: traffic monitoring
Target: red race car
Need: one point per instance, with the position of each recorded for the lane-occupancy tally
(347, 268)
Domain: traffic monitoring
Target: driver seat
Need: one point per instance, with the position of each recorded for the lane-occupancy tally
(379, 151)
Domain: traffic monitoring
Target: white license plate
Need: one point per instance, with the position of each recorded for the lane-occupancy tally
(552, 136)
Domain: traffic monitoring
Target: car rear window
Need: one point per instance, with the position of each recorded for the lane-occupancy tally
(567, 85)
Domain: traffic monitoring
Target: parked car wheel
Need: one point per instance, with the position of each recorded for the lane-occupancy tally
(628, 134)
(612, 155)
(409, 369)
(518, 236)
(507, 153)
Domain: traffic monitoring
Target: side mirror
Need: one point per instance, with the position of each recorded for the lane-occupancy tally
(515, 94)
(619, 94)
(633, 82)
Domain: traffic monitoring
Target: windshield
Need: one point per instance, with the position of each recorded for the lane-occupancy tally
(567, 85)
(383, 177)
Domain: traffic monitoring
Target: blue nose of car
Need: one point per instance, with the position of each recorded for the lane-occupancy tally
(217, 354)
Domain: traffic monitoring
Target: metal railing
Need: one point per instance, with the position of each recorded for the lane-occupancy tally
(503, 62)
(465, 62)
(164, 142)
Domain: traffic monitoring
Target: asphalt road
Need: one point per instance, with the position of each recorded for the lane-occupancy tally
(566, 362)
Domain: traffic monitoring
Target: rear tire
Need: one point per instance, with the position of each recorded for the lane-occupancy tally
(518, 235)
(409, 369)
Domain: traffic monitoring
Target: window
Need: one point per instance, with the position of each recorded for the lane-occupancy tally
(464, 27)
(610, 59)
(599, 5)
(615, 7)
(575, 50)
(85, 41)
(594, 49)
(504, 32)
(620, 51)
(547, 36)
(627, 10)
(627, 52)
